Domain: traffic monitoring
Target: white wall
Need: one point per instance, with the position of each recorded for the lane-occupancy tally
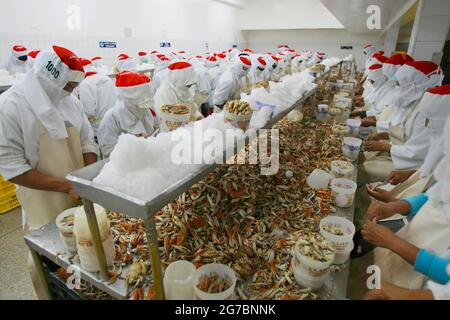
(328, 40)
(187, 24)
(287, 14)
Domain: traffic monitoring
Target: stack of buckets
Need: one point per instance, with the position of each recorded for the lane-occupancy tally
(8, 199)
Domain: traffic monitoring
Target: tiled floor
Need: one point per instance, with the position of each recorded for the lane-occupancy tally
(15, 282)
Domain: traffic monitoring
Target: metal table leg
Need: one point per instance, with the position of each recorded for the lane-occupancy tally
(96, 238)
(152, 241)
(41, 273)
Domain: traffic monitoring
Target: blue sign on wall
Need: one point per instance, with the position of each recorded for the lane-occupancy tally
(164, 44)
(107, 44)
(346, 47)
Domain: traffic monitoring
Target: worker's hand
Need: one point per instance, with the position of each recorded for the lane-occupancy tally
(357, 113)
(378, 211)
(397, 177)
(368, 122)
(378, 235)
(377, 146)
(376, 295)
(380, 194)
(374, 136)
(71, 191)
(389, 291)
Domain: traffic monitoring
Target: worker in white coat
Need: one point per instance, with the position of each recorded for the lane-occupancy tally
(179, 88)
(132, 114)
(408, 142)
(97, 94)
(161, 72)
(256, 73)
(45, 135)
(377, 79)
(369, 50)
(230, 83)
(297, 63)
(203, 86)
(17, 60)
(214, 75)
(31, 59)
(143, 57)
(272, 64)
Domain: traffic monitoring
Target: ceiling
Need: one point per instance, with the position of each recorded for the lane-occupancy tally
(352, 13)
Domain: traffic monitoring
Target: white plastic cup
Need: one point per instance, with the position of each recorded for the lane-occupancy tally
(304, 280)
(178, 280)
(342, 257)
(221, 270)
(66, 232)
(342, 169)
(351, 148)
(171, 122)
(315, 269)
(353, 127)
(322, 109)
(343, 192)
(318, 179)
(339, 243)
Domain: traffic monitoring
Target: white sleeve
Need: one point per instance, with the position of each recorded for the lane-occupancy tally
(88, 99)
(412, 154)
(108, 133)
(222, 92)
(13, 162)
(87, 140)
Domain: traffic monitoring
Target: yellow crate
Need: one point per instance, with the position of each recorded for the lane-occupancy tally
(8, 203)
(1, 179)
(6, 187)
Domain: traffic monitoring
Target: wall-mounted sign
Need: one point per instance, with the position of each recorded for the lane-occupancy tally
(107, 44)
(235, 46)
(165, 44)
(346, 47)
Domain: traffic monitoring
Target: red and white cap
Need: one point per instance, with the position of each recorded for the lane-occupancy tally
(417, 73)
(376, 73)
(19, 50)
(394, 62)
(211, 62)
(247, 50)
(123, 57)
(134, 86)
(221, 56)
(142, 54)
(154, 52)
(241, 66)
(261, 63)
(59, 65)
(33, 54)
(89, 74)
(435, 104)
(275, 58)
(96, 58)
(378, 57)
(182, 74)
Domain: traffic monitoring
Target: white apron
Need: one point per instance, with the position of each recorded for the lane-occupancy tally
(430, 230)
(57, 158)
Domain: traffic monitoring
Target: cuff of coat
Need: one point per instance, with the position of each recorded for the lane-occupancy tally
(10, 173)
(416, 203)
(90, 148)
(432, 266)
(439, 292)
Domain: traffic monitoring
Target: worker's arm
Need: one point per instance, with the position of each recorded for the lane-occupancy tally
(89, 158)
(33, 179)
(392, 292)
(432, 266)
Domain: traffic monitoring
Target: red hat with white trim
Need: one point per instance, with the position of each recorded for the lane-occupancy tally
(182, 74)
(211, 62)
(134, 86)
(261, 63)
(19, 50)
(435, 104)
(89, 74)
(59, 65)
(419, 73)
(394, 62)
(153, 52)
(247, 50)
(376, 73)
(85, 62)
(142, 54)
(33, 54)
(222, 56)
(96, 58)
(123, 57)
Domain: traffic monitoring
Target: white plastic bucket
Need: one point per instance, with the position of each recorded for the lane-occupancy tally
(322, 108)
(238, 121)
(88, 256)
(171, 122)
(178, 280)
(351, 148)
(318, 179)
(305, 280)
(315, 269)
(353, 127)
(342, 169)
(66, 232)
(342, 257)
(223, 271)
(343, 192)
(338, 242)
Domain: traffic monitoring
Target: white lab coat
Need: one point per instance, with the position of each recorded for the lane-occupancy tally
(13, 65)
(382, 99)
(121, 119)
(159, 78)
(412, 154)
(97, 94)
(19, 131)
(227, 87)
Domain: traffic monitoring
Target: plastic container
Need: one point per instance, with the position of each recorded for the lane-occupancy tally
(342, 257)
(322, 109)
(343, 192)
(339, 243)
(238, 121)
(221, 270)
(353, 127)
(171, 122)
(318, 179)
(342, 169)
(321, 117)
(315, 269)
(351, 147)
(66, 232)
(85, 246)
(340, 83)
(178, 280)
(304, 280)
